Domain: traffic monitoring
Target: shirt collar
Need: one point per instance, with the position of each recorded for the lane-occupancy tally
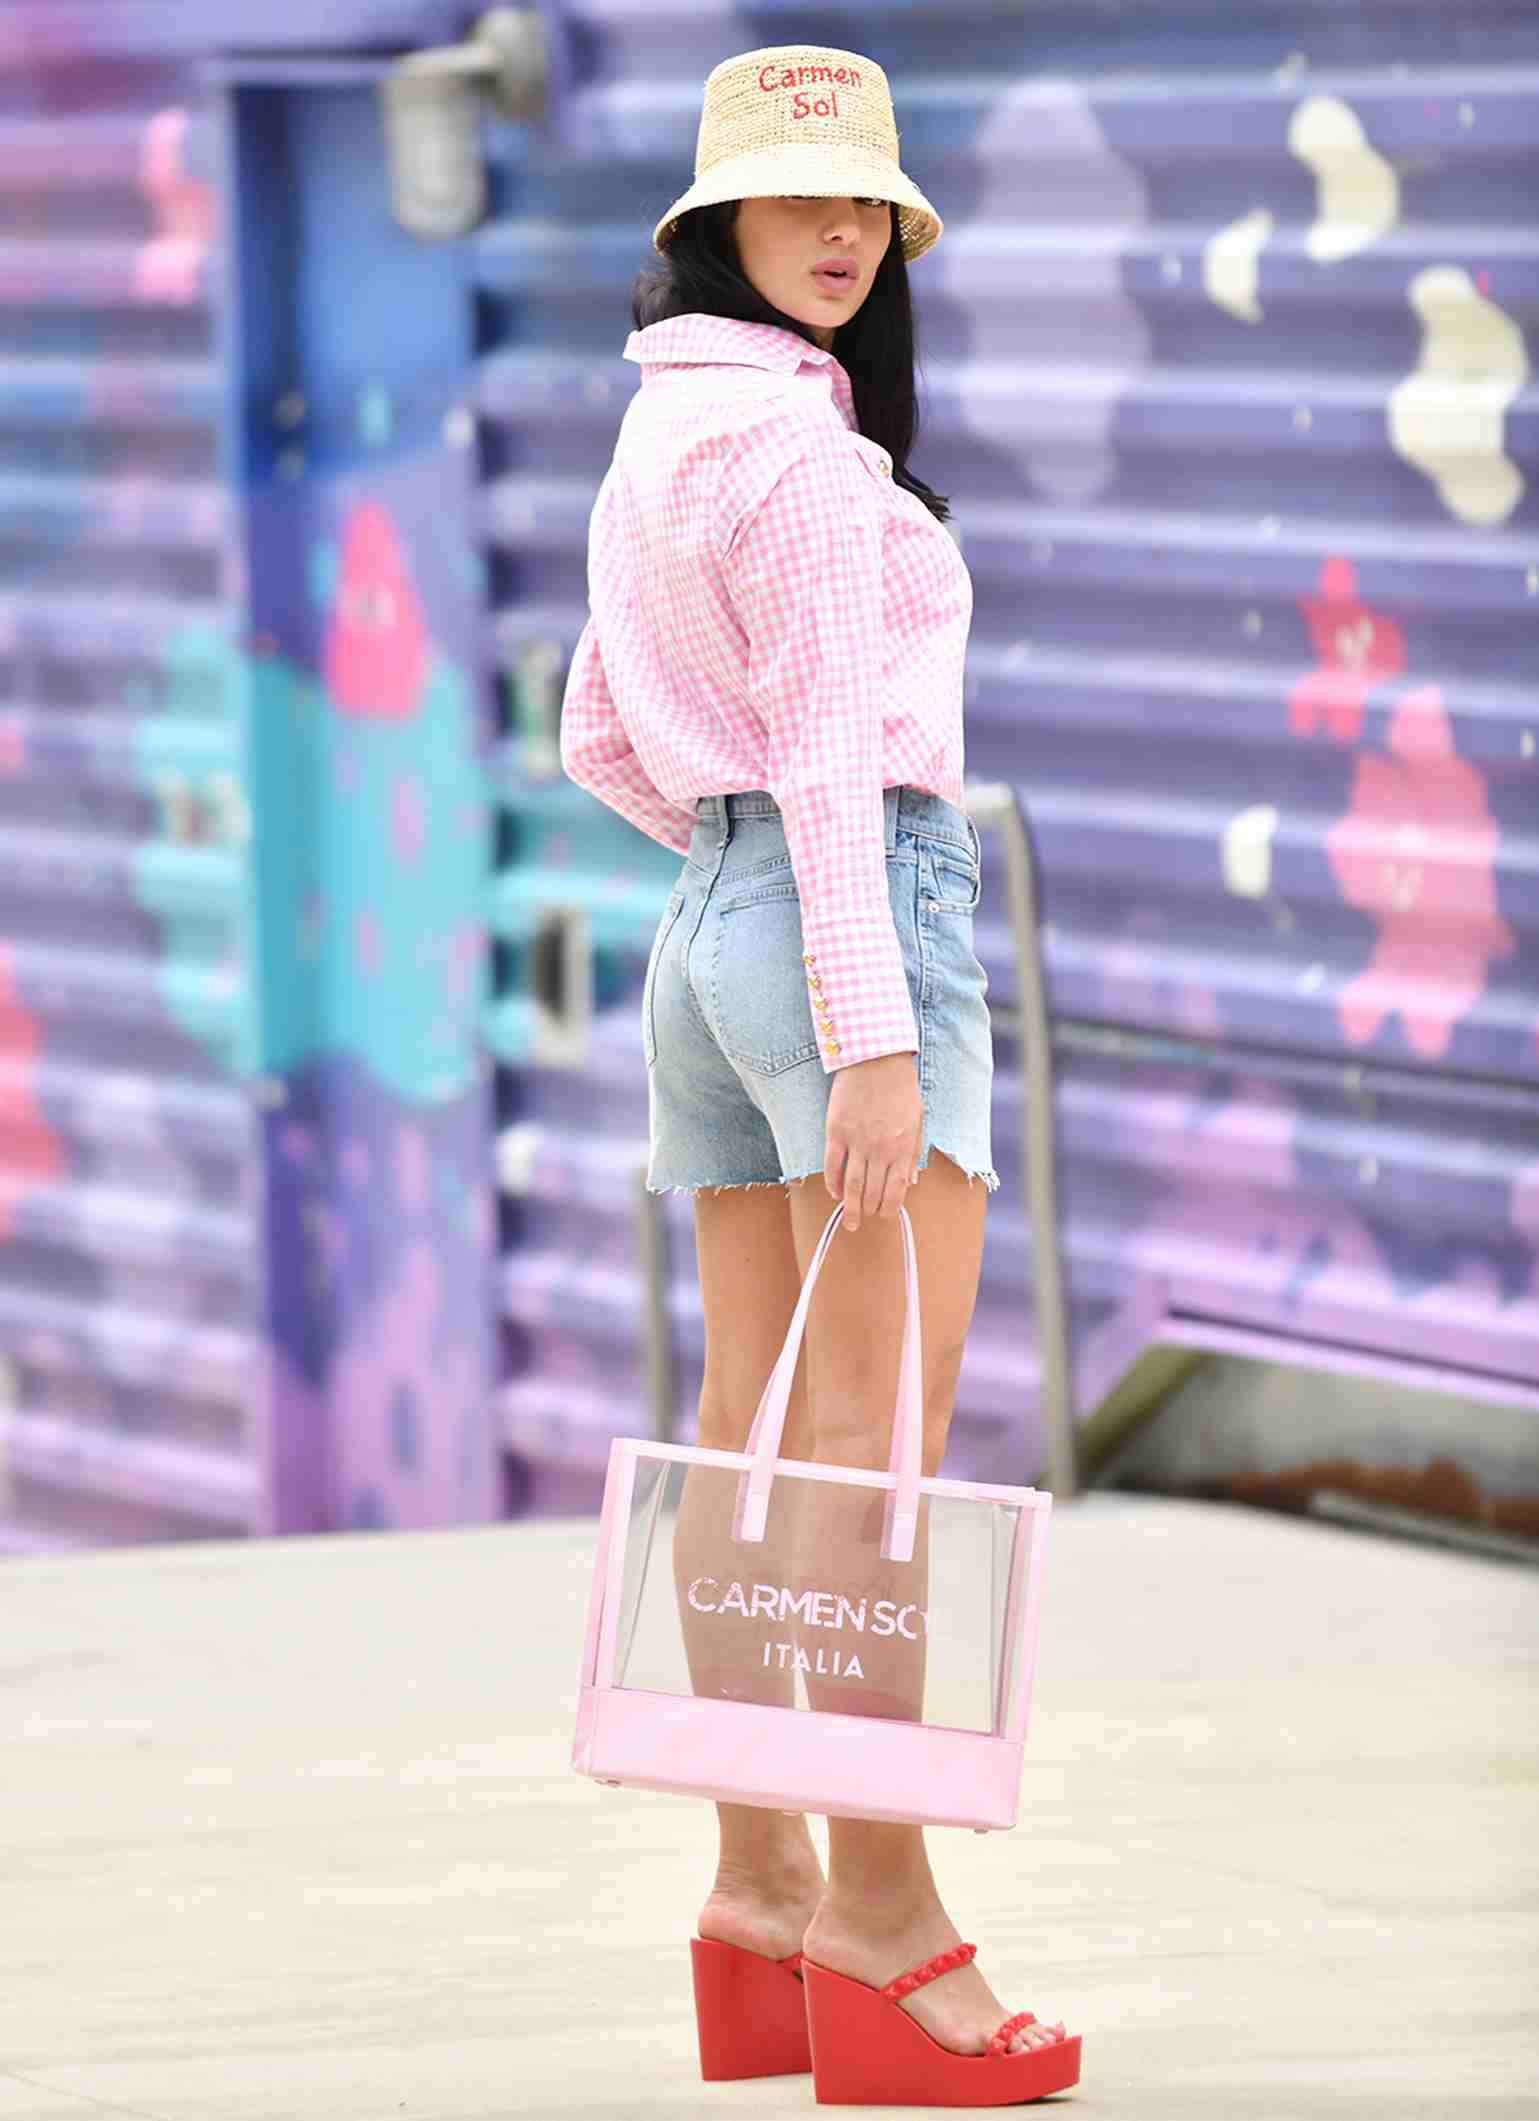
(697, 336)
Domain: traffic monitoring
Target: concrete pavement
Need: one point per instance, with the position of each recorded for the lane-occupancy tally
(289, 1830)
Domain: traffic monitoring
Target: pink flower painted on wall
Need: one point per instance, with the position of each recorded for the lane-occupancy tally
(31, 1152)
(377, 640)
(170, 267)
(1358, 648)
(1416, 853)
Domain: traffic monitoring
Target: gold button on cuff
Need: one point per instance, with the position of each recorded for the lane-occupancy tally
(832, 1046)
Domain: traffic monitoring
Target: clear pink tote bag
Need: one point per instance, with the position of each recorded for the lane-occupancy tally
(813, 1637)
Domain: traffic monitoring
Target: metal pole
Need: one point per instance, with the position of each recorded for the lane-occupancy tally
(996, 804)
(653, 1254)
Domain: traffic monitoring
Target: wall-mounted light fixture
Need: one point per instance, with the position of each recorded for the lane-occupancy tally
(432, 104)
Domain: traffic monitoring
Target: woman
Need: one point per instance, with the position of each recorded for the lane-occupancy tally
(770, 682)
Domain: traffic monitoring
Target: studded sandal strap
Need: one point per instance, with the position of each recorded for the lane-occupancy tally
(1007, 2032)
(929, 1970)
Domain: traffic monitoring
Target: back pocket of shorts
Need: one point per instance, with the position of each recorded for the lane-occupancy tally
(759, 997)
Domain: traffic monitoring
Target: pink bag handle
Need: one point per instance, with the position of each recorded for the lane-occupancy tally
(901, 1516)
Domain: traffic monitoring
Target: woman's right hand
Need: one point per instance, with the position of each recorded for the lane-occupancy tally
(875, 1126)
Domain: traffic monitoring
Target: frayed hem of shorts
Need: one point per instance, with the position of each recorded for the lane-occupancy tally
(792, 1178)
(990, 1178)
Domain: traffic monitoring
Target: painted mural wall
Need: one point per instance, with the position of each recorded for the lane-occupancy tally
(249, 1219)
(319, 989)
(130, 1212)
(1226, 359)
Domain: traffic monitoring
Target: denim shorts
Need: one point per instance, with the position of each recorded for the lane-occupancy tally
(737, 1093)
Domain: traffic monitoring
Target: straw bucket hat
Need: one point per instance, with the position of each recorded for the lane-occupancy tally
(802, 118)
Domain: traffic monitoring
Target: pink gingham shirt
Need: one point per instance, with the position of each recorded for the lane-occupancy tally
(769, 610)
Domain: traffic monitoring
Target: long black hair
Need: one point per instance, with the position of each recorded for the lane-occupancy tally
(700, 270)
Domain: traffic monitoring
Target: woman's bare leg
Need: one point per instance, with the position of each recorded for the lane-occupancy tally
(882, 1910)
(769, 1877)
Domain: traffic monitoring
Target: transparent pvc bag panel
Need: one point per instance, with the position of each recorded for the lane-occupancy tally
(813, 1616)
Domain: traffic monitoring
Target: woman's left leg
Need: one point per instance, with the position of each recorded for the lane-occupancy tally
(769, 1877)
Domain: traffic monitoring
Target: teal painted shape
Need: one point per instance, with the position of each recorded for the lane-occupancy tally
(203, 674)
(207, 1002)
(374, 838)
(199, 885)
(376, 415)
(200, 750)
(192, 878)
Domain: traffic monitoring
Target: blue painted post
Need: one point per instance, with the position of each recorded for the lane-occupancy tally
(351, 438)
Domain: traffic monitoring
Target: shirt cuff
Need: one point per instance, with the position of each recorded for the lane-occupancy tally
(858, 992)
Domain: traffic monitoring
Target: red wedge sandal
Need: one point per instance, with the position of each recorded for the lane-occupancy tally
(750, 2012)
(868, 2051)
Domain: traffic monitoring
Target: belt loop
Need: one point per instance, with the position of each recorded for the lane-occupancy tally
(890, 816)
